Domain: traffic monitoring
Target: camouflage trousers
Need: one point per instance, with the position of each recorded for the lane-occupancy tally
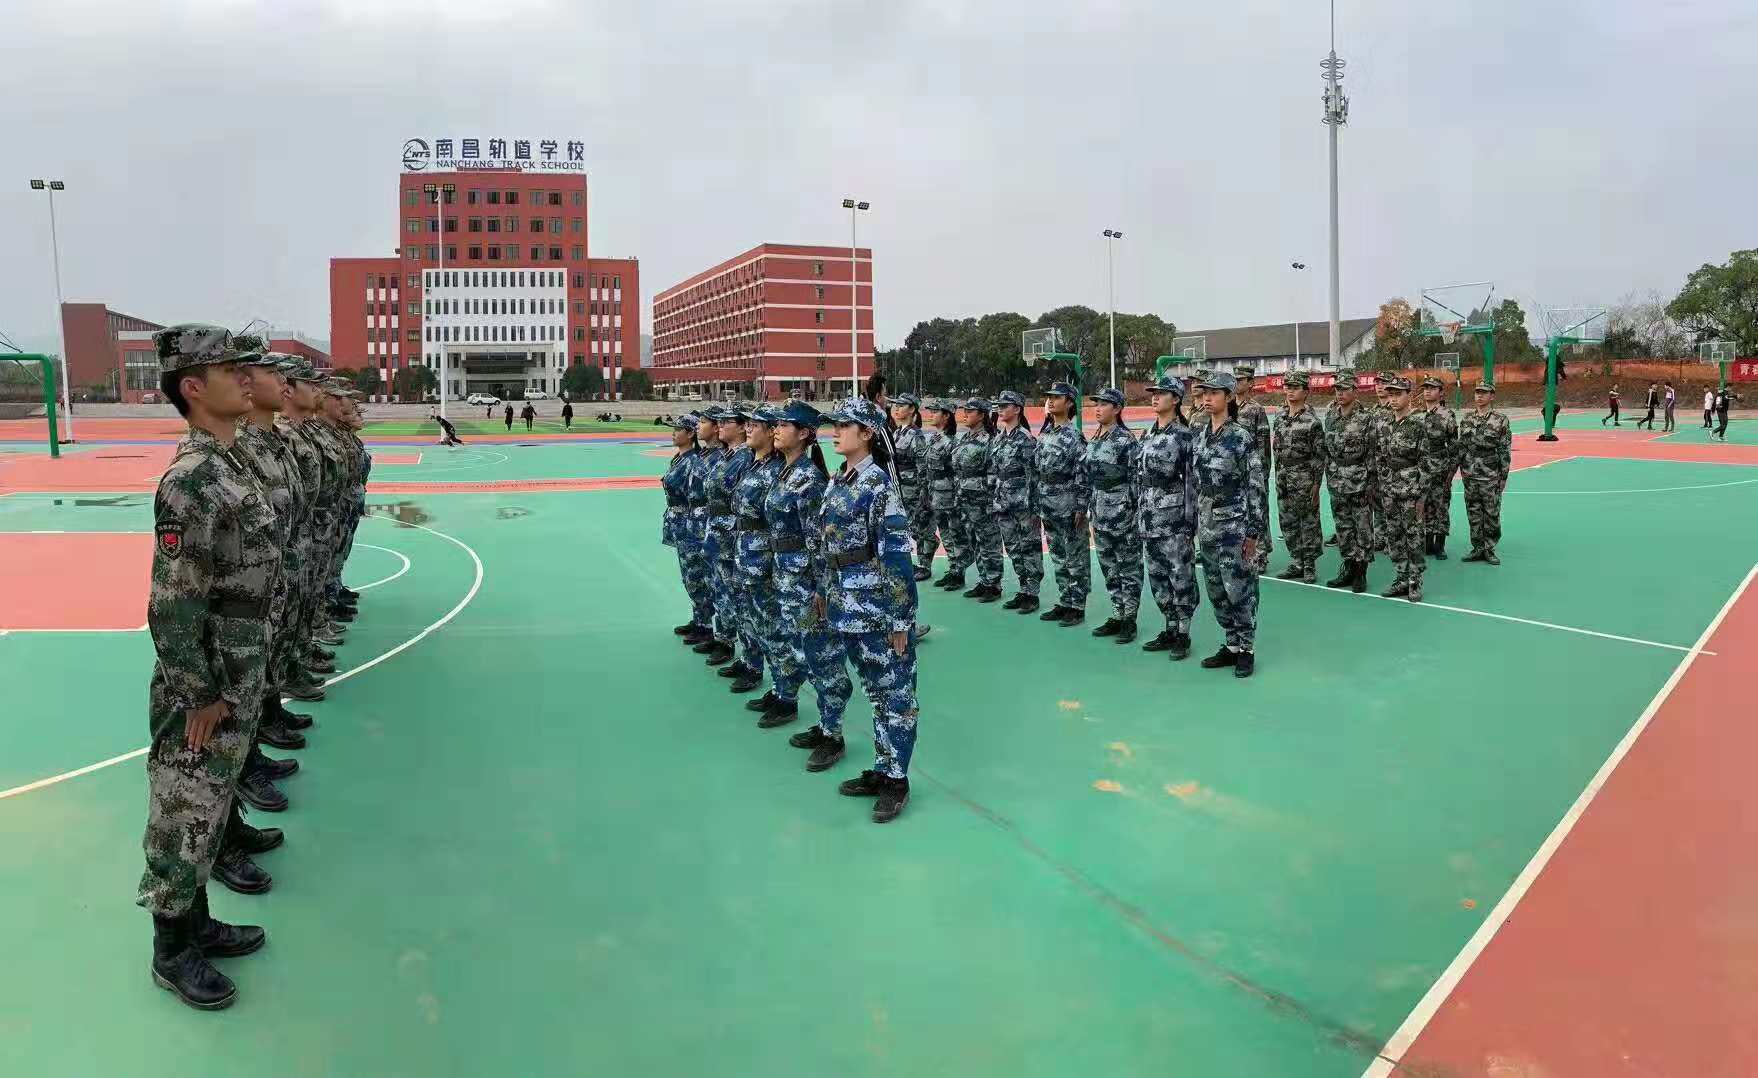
(1264, 544)
(1352, 517)
(693, 569)
(747, 614)
(1297, 507)
(1376, 537)
(979, 540)
(1072, 559)
(1120, 562)
(1172, 577)
(1404, 535)
(814, 653)
(1437, 508)
(889, 680)
(922, 531)
(717, 556)
(1232, 583)
(1483, 511)
(1023, 541)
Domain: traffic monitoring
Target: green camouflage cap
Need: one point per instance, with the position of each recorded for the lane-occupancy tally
(283, 362)
(1396, 384)
(1296, 380)
(1243, 370)
(193, 344)
(1345, 380)
(249, 342)
(1431, 382)
(303, 371)
(1485, 387)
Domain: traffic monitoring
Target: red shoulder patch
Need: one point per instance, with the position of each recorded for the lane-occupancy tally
(169, 539)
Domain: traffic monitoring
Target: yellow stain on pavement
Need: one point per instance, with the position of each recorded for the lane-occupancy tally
(1108, 786)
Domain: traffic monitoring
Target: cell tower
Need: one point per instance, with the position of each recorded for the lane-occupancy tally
(1336, 115)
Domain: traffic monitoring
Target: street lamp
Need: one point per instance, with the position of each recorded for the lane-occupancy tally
(854, 294)
(440, 194)
(51, 186)
(1111, 238)
(1297, 266)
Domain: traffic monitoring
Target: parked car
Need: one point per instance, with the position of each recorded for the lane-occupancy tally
(482, 399)
(537, 395)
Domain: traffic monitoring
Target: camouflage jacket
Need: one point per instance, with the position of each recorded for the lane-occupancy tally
(1408, 463)
(723, 479)
(1443, 433)
(1061, 472)
(970, 469)
(1351, 437)
(1299, 440)
(676, 483)
(1165, 481)
(1256, 422)
(790, 510)
(271, 461)
(1111, 475)
(1485, 444)
(912, 486)
(751, 548)
(215, 564)
(1230, 483)
(937, 470)
(336, 463)
(1013, 461)
(869, 580)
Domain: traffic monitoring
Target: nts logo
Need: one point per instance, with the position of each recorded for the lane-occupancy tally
(416, 155)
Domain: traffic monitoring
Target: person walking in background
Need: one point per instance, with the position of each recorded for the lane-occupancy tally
(509, 417)
(1722, 403)
(1708, 408)
(567, 415)
(1671, 399)
(528, 414)
(1653, 399)
(1613, 414)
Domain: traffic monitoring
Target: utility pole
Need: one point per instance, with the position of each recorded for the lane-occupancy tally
(1336, 115)
(1111, 238)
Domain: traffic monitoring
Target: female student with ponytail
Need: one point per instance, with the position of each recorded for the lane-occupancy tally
(910, 442)
(979, 537)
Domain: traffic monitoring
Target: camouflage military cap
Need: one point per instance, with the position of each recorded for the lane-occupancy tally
(1431, 382)
(1061, 389)
(1220, 380)
(257, 358)
(736, 412)
(303, 371)
(684, 422)
(859, 410)
(1395, 384)
(907, 398)
(799, 413)
(1244, 370)
(1345, 380)
(1295, 380)
(935, 404)
(766, 413)
(335, 387)
(193, 344)
(1109, 395)
(1485, 387)
(249, 342)
(1168, 383)
(975, 404)
(1008, 396)
(282, 362)
(711, 414)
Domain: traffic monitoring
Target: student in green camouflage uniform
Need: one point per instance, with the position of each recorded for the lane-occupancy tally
(1111, 459)
(1351, 435)
(1485, 446)
(1299, 446)
(1251, 415)
(1061, 497)
(942, 485)
(1382, 413)
(1013, 463)
(1231, 491)
(1443, 432)
(979, 541)
(305, 405)
(1406, 458)
(213, 577)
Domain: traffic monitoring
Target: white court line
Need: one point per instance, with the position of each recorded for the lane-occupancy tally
(1542, 463)
(393, 576)
(458, 467)
(1401, 1040)
(1498, 617)
(475, 586)
(1636, 490)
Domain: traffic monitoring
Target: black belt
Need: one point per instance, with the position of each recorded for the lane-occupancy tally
(787, 544)
(719, 508)
(1011, 474)
(676, 503)
(1163, 484)
(746, 524)
(239, 608)
(853, 557)
(1110, 486)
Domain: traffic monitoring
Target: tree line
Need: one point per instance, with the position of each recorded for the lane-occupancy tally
(982, 355)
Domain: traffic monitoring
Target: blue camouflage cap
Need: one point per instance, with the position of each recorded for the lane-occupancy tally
(1168, 383)
(799, 413)
(859, 410)
(193, 344)
(935, 404)
(1008, 396)
(1109, 395)
(712, 413)
(684, 422)
(1061, 389)
(1220, 380)
(976, 404)
(907, 398)
(737, 411)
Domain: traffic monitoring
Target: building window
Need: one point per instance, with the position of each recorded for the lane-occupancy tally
(817, 269)
(451, 252)
(494, 224)
(579, 280)
(451, 224)
(579, 308)
(578, 359)
(555, 226)
(494, 198)
(475, 225)
(412, 281)
(579, 334)
(819, 289)
(413, 254)
(579, 252)
(411, 197)
(537, 224)
(433, 224)
(818, 318)
(820, 342)
(555, 254)
(411, 310)
(433, 252)
(555, 198)
(412, 225)
(537, 254)
(616, 283)
(578, 199)
(512, 198)
(512, 224)
(474, 197)
(476, 253)
(494, 254)
(537, 198)
(413, 336)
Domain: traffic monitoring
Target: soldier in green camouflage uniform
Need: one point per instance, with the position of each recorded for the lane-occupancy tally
(310, 659)
(1251, 416)
(1406, 458)
(1485, 444)
(1111, 457)
(1382, 413)
(213, 578)
(1351, 435)
(1299, 446)
(1061, 497)
(1444, 439)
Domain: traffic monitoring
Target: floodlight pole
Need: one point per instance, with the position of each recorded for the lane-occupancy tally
(1336, 115)
(50, 187)
(854, 298)
(1111, 238)
(439, 193)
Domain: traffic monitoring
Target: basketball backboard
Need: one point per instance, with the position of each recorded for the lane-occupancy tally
(1451, 309)
(1574, 325)
(1447, 361)
(1036, 343)
(1717, 352)
(1191, 349)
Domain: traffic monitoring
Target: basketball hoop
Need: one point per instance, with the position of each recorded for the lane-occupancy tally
(1450, 330)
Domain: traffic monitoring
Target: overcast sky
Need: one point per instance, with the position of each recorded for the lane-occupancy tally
(219, 153)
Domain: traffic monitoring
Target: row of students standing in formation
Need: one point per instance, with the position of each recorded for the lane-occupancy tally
(798, 572)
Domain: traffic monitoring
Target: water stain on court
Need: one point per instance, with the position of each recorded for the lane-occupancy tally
(407, 514)
(510, 512)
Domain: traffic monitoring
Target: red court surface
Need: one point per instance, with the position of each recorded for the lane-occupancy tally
(1631, 954)
(171, 429)
(61, 581)
(381, 459)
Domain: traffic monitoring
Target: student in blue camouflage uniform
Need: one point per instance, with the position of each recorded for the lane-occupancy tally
(1249, 414)
(751, 552)
(797, 616)
(1299, 451)
(1110, 466)
(1351, 436)
(942, 485)
(1061, 497)
(869, 590)
(707, 550)
(1230, 491)
(1013, 462)
(1166, 518)
(910, 442)
(678, 528)
(723, 480)
(979, 540)
(1406, 462)
(1443, 433)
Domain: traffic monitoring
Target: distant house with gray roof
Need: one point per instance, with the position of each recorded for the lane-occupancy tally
(1270, 349)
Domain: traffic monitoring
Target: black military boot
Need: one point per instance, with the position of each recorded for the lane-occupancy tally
(1071, 616)
(1110, 627)
(952, 581)
(179, 968)
(810, 738)
(1179, 649)
(685, 629)
(1126, 634)
(1054, 613)
(321, 666)
(747, 682)
(1345, 576)
(780, 713)
(273, 733)
(217, 939)
(274, 769)
(1489, 555)
(991, 592)
(259, 791)
(351, 595)
(234, 868)
(289, 720)
(323, 653)
(826, 751)
(1475, 555)
(1293, 572)
(1219, 660)
(976, 591)
(1161, 642)
(1440, 548)
(762, 703)
(923, 572)
(252, 840)
(1398, 590)
(1243, 664)
(1360, 582)
(309, 691)
(705, 645)
(719, 654)
(893, 796)
(1027, 603)
(734, 669)
(1013, 603)
(697, 634)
